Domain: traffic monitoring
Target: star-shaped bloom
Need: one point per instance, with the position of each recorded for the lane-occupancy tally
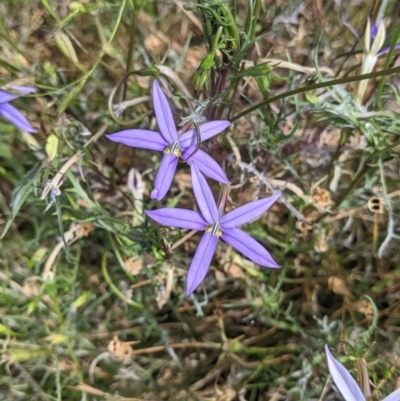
(173, 146)
(216, 225)
(9, 112)
(347, 386)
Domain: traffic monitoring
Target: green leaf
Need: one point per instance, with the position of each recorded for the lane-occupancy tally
(52, 146)
(6, 330)
(81, 300)
(313, 99)
(20, 194)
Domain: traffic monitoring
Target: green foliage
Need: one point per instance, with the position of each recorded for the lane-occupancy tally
(92, 293)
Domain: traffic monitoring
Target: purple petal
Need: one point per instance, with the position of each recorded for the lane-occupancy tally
(247, 245)
(204, 196)
(373, 30)
(207, 131)
(343, 379)
(386, 49)
(15, 117)
(206, 164)
(163, 112)
(248, 212)
(23, 90)
(174, 217)
(7, 96)
(164, 176)
(201, 261)
(140, 138)
(395, 396)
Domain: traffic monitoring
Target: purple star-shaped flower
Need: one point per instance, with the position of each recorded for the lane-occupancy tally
(9, 112)
(216, 224)
(347, 386)
(172, 145)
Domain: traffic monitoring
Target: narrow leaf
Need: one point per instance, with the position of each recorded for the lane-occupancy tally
(20, 195)
(52, 146)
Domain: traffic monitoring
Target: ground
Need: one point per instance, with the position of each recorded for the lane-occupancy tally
(92, 300)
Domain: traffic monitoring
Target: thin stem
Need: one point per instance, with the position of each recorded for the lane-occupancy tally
(223, 196)
(130, 52)
(110, 103)
(382, 9)
(81, 82)
(183, 239)
(396, 39)
(159, 348)
(316, 86)
(113, 287)
(391, 224)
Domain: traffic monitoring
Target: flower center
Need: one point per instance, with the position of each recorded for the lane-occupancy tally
(174, 149)
(215, 229)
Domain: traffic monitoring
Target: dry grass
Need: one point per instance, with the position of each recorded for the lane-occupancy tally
(92, 302)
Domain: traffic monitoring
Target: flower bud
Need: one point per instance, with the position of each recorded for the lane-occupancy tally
(379, 39)
(201, 74)
(136, 186)
(152, 71)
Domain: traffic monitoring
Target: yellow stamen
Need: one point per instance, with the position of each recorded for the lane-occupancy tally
(174, 149)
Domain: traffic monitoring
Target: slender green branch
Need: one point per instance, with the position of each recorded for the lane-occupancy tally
(130, 51)
(113, 287)
(316, 86)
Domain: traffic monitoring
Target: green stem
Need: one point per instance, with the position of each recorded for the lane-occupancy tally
(396, 39)
(130, 52)
(81, 82)
(257, 13)
(382, 9)
(316, 86)
(116, 291)
(48, 7)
